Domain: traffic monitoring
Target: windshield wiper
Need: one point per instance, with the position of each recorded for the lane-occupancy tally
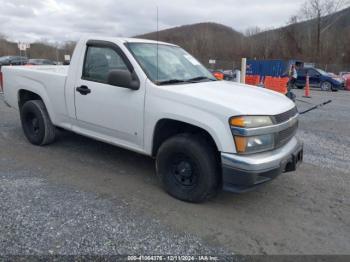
(171, 81)
(199, 78)
(192, 80)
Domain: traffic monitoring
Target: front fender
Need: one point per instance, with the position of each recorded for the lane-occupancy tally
(215, 125)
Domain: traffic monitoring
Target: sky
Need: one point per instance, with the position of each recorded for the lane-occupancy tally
(65, 20)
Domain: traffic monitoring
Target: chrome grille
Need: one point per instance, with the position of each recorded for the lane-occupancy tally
(285, 116)
(284, 136)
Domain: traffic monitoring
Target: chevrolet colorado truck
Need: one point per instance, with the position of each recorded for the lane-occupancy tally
(156, 99)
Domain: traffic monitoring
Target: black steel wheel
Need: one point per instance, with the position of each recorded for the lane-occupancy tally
(188, 168)
(36, 123)
(184, 171)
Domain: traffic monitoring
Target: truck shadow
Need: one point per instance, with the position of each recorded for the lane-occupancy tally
(116, 172)
(127, 164)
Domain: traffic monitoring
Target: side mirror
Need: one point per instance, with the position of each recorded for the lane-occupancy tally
(123, 78)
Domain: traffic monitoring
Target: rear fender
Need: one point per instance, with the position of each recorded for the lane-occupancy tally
(38, 88)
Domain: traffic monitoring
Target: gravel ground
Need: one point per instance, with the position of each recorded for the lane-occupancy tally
(80, 196)
(326, 131)
(39, 218)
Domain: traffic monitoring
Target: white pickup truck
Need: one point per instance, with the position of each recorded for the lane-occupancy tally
(154, 98)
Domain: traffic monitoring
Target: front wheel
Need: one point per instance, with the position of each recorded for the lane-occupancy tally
(187, 166)
(326, 86)
(36, 123)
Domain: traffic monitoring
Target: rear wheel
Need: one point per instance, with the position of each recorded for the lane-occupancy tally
(36, 123)
(188, 168)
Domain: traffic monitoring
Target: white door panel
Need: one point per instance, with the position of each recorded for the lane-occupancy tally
(112, 110)
(108, 111)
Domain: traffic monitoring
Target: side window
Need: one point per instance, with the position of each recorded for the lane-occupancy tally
(99, 61)
(312, 73)
(14, 59)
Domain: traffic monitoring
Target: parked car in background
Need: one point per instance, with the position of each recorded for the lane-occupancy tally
(346, 78)
(229, 75)
(222, 74)
(40, 62)
(319, 79)
(217, 74)
(342, 74)
(336, 77)
(13, 60)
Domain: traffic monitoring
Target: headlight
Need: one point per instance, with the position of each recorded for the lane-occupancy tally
(251, 121)
(254, 144)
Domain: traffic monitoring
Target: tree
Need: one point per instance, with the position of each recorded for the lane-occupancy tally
(253, 31)
(316, 10)
(294, 19)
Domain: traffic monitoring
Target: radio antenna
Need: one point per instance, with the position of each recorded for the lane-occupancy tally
(157, 44)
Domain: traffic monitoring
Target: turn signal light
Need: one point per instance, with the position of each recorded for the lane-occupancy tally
(241, 144)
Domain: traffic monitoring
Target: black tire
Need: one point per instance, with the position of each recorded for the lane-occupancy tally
(36, 123)
(300, 87)
(187, 166)
(334, 89)
(326, 86)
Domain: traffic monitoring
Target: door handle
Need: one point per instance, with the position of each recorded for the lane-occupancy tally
(84, 90)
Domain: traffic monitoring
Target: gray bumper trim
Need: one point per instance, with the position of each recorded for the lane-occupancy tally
(262, 161)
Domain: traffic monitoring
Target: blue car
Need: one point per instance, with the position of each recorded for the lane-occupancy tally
(319, 79)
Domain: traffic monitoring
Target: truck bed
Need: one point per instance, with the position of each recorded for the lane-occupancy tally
(51, 69)
(47, 81)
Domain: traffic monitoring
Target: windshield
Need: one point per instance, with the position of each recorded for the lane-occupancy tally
(175, 65)
(322, 72)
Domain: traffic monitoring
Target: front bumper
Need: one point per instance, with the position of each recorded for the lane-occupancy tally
(244, 173)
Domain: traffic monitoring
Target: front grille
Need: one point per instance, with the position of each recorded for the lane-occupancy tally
(285, 116)
(284, 136)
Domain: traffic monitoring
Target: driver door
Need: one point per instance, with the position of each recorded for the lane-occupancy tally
(315, 78)
(103, 111)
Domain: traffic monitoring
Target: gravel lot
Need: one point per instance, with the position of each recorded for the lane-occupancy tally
(80, 196)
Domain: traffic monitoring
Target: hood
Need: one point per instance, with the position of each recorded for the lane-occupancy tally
(235, 98)
(338, 78)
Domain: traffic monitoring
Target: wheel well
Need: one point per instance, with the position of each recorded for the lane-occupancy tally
(167, 128)
(25, 95)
